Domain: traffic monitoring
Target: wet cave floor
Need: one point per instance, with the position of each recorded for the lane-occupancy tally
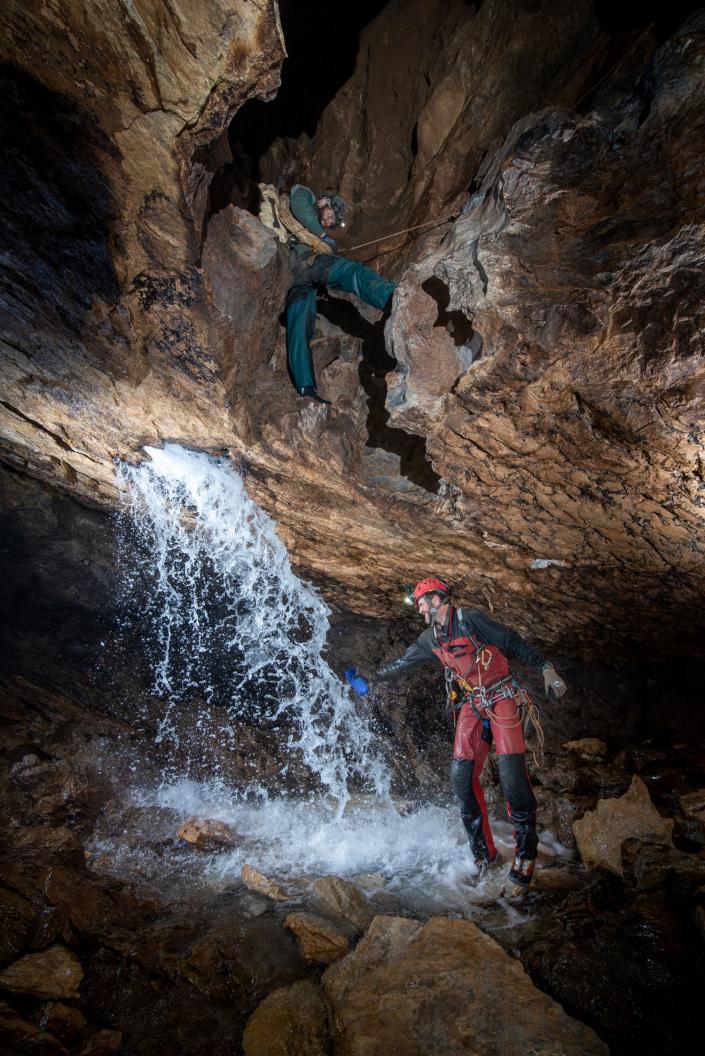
(176, 952)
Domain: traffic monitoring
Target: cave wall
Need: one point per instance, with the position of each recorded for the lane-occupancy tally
(557, 478)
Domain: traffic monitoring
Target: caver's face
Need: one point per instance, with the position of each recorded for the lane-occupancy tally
(326, 216)
(427, 603)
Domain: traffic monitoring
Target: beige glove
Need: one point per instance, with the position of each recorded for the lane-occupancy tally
(553, 681)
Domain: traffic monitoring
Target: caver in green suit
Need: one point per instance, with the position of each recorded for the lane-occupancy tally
(312, 268)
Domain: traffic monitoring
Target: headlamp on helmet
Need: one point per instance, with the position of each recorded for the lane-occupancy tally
(430, 585)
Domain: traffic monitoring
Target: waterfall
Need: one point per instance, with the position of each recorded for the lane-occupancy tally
(230, 630)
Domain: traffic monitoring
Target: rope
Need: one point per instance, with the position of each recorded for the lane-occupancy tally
(404, 231)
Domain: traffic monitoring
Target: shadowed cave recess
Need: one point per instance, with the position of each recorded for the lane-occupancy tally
(192, 553)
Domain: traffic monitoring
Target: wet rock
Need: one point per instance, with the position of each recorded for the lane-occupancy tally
(104, 1043)
(443, 988)
(693, 804)
(55, 789)
(89, 909)
(652, 865)
(50, 844)
(588, 747)
(601, 833)
(19, 1036)
(340, 898)
(260, 884)
(63, 1021)
(17, 923)
(55, 972)
(291, 1022)
(206, 834)
(319, 939)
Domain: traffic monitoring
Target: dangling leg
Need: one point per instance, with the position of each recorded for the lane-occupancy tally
(521, 801)
(469, 753)
(300, 326)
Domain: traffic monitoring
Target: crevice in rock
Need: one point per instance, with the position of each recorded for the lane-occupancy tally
(374, 367)
(468, 341)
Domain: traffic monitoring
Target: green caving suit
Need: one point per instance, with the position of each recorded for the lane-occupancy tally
(328, 269)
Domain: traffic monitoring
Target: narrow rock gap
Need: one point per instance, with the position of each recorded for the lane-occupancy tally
(374, 367)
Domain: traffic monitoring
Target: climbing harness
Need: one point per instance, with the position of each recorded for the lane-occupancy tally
(483, 699)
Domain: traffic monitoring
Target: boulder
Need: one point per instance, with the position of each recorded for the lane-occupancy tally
(290, 1021)
(318, 938)
(444, 989)
(63, 1021)
(207, 834)
(340, 898)
(19, 1036)
(588, 746)
(601, 833)
(55, 972)
(258, 882)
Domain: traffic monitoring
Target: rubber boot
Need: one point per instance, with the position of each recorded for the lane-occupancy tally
(468, 792)
(521, 804)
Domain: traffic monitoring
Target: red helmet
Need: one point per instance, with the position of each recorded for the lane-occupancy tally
(431, 585)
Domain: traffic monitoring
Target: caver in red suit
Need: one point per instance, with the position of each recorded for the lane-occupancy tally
(474, 648)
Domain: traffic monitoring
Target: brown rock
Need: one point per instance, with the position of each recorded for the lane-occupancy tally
(17, 922)
(19, 1036)
(289, 1022)
(318, 938)
(63, 1021)
(601, 833)
(340, 898)
(207, 834)
(443, 988)
(693, 804)
(104, 1043)
(55, 972)
(49, 843)
(256, 881)
(588, 746)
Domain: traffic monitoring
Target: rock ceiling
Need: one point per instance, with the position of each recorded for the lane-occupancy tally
(556, 478)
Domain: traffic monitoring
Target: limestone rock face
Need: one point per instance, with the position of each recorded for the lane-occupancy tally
(601, 833)
(436, 83)
(290, 1021)
(444, 988)
(541, 441)
(572, 448)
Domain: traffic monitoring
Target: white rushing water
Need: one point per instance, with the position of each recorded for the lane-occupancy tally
(235, 643)
(229, 626)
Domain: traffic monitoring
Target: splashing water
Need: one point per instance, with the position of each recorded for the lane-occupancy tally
(227, 623)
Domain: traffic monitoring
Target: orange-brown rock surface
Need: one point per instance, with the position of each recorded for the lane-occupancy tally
(557, 479)
(444, 988)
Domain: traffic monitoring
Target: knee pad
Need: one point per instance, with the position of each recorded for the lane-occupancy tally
(516, 785)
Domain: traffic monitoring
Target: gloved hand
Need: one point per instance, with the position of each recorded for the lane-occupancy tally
(329, 241)
(357, 682)
(553, 681)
